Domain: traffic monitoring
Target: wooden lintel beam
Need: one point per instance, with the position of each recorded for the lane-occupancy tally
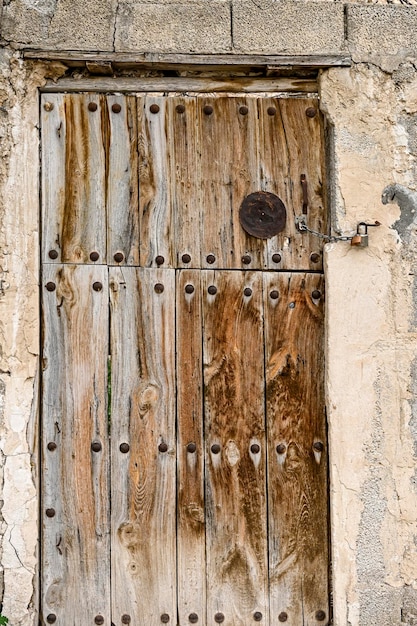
(168, 61)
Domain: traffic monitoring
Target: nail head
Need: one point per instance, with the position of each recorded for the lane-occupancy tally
(159, 288)
(316, 295)
(215, 448)
(219, 618)
(212, 290)
(193, 618)
(243, 110)
(311, 112)
(159, 260)
(274, 295)
(51, 618)
(271, 111)
(99, 619)
(96, 446)
(50, 512)
(53, 254)
(92, 106)
(165, 618)
(163, 447)
(180, 108)
(318, 446)
(48, 106)
(50, 286)
(154, 108)
(276, 258)
(97, 286)
(283, 617)
(125, 619)
(314, 257)
(51, 446)
(255, 448)
(191, 447)
(246, 259)
(257, 616)
(247, 291)
(116, 108)
(281, 448)
(124, 447)
(320, 616)
(118, 257)
(189, 289)
(186, 258)
(210, 258)
(208, 109)
(94, 256)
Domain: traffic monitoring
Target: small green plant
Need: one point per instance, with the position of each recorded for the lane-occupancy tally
(3, 620)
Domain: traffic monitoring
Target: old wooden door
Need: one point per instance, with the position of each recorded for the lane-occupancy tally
(184, 462)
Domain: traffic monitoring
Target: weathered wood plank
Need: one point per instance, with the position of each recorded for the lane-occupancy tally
(191, 506)
(171, 60)
(227, 140)
(297, 466)
(179, 85)
(155, 204)
(74, 210)
(143, 417)
(75, 458)
(291, 145)
(120, 137)
(185, 177)
(235, 471)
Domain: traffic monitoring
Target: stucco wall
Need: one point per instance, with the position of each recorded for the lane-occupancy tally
(371, 293)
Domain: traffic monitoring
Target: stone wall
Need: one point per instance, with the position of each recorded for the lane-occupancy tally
(371, 293)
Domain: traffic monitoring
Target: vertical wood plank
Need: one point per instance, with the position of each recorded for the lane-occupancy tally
(53, 138)
(143, 417)
(297, 467)
(184, 179)
(75, 459)
(155, 203)
(120, 132)
(235, 473)
(291, 144)
(191, 505)
(227, 142)
(74, 207)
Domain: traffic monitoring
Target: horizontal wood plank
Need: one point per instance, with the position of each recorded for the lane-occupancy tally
(208, 85)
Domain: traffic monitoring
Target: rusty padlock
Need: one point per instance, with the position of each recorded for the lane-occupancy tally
(361, 239)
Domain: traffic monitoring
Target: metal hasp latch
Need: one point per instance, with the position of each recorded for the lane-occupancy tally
(360, 240)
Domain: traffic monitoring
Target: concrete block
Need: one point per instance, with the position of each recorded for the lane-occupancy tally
(63, 25)
(381, 30)
(288, 27)
(174, 27)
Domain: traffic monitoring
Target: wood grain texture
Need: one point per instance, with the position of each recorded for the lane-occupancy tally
(297, 472)
(74, 194)
(291, 144)
(185, 177)
(155, 203)
(121, 139)
(190, 480)
(143, 415)
(187, 84)
(227, 141)
(75, 541)
(236, 527)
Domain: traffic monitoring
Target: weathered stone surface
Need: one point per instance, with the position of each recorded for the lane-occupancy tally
(378, 31)
(287, 27)
(64, 25)
(175, 27)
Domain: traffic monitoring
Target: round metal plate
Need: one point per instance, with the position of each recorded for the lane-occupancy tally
(262, 214)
